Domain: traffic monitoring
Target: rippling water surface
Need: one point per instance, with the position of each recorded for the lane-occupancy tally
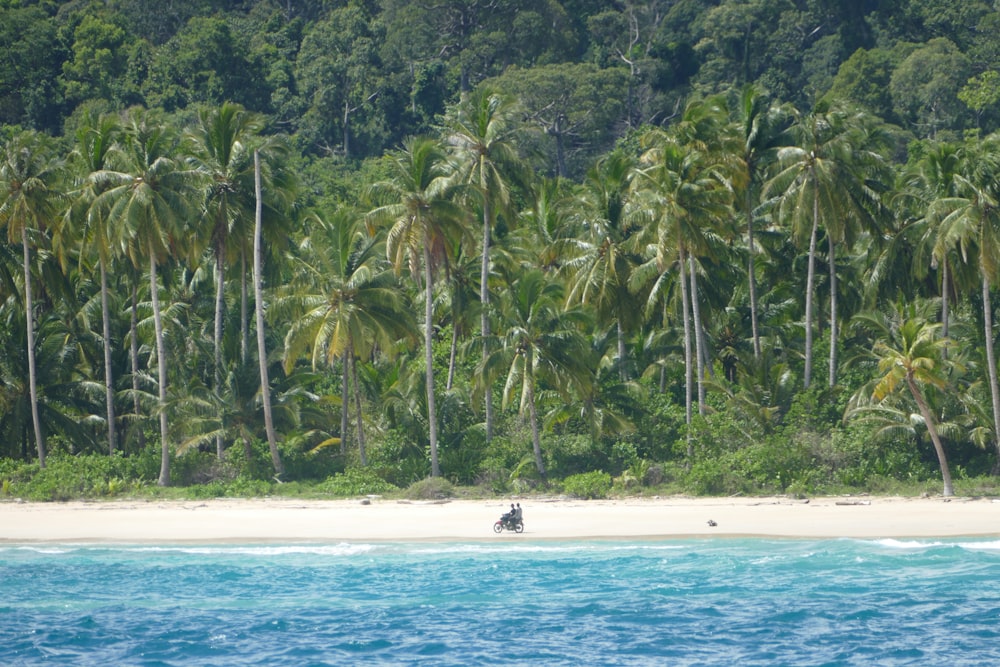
(678, 602)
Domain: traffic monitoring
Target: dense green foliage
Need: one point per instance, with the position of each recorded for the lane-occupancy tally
(712, 246)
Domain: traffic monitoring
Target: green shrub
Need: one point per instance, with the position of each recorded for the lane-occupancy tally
(68, 477)
(355, 482)
(588, 485)
(432, 488)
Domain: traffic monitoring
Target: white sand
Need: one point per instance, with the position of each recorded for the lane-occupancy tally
(269, 520)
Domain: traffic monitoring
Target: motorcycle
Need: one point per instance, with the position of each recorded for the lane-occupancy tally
(505, 522)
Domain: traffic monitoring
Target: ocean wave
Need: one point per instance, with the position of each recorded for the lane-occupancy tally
(974, 545)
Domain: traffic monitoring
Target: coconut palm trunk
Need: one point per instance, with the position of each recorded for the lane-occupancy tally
(161, 365)
(751, 274)
(109, 384)
(429, 359)
(536, 439)
(932, 430)
(134, 358)
(810, 283)
(220, 285)
(698, 337)
(833, 311)
(265, 385)
(362, 453)
(30, 324)
(344, 401)
(991, 365)
(484, 296)
(688, 371)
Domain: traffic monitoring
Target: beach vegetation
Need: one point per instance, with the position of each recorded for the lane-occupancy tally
(431, 488)
(355, 482)
(588, 485)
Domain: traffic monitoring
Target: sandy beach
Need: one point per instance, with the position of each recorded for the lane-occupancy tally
(284, 520)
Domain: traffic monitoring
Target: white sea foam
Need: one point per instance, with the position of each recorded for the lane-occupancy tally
(991, 545)
(263, 550)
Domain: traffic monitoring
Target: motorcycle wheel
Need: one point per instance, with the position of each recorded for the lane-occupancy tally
(519, 527)
(498, 527)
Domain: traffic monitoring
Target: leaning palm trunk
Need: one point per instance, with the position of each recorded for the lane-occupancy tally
(452, 357)
(688, 374)
(109, 384)
(357, 407)
(932, 430)
(265, 385)
(536, 439)
(991, 366)
(219, 307)
(945, 288)
(698, 336)
(833, 313)
(752, 280)
(810, 281)
(32, 376)
(161, 365)
(622, 370)
(484, 298)
(429, 360)
(344, 403)
(134, 355)
(244, 308)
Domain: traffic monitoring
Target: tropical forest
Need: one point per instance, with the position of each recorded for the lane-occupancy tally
(364, 247)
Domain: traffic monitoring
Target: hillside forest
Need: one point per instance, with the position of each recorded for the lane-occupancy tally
(714, 246)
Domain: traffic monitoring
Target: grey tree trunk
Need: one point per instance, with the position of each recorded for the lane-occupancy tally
(244, 309)
(109, 383)
(265, 384)
(688, 371)
(751, 276)
(833, 312)
(134, 357)
(161, 366)
(810, 280)
(698, 337)
(344, 404)
(932, 430)
(29, 318)
(357, 406)
(429, 360)
(991, 364)
(219, 307)
(484, 298)
(536, 439)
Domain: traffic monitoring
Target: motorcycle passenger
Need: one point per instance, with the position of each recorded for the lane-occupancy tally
(516, 516)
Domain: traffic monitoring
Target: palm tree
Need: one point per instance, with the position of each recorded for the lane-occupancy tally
(95, 140)
(603, 262)
(912, 354)
(682, 192)
(970, 221)
(480, 130)
(220, 149)
(347, 304)
(148, 198)
(416, 201)
(539, 340)
(761, 128)
(824, 177)
(29, 203)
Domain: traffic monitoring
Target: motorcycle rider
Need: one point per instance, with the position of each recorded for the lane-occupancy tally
(508, 517)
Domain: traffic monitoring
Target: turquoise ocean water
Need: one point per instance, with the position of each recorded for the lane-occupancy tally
(504, 602)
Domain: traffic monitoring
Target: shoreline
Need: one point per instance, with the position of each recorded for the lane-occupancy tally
(270, 520)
